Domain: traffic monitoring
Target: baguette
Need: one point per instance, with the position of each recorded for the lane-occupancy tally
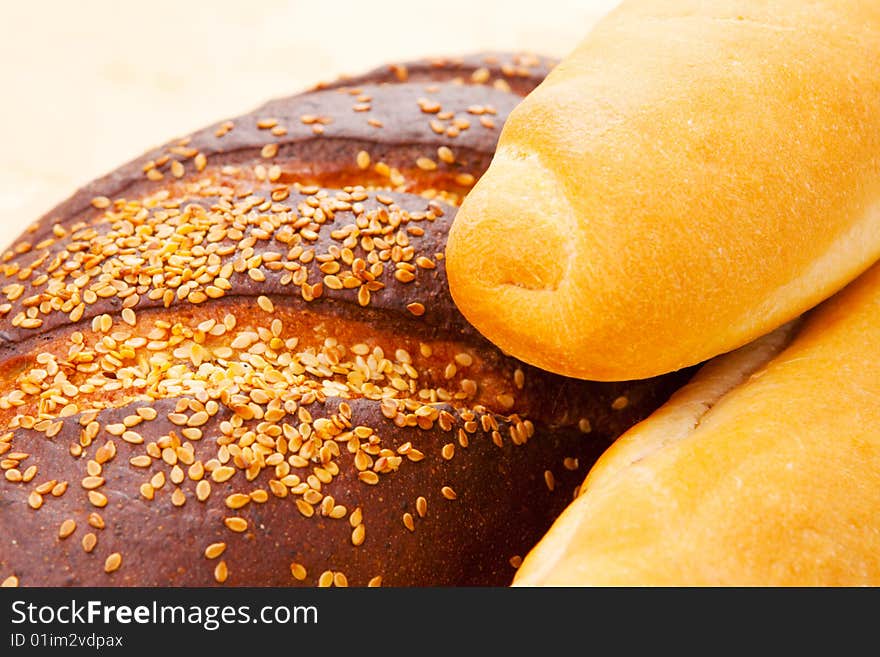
(234, 360)
(694, 175)
(763, 471)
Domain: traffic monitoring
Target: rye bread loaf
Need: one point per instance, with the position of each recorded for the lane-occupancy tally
(235, 360)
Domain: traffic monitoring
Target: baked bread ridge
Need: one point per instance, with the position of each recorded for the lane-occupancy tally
(227, 363)
(700, 173)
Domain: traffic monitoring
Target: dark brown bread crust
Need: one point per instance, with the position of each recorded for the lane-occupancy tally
(216, 371)
(469, 540)
(516, 72)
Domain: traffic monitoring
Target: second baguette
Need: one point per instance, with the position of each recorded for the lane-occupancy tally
(763, 471)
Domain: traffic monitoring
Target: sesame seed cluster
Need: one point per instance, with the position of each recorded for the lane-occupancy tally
(235, 360)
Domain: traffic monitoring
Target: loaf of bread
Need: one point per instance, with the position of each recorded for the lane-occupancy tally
(695, 174)
(763, 471)
(235, 359)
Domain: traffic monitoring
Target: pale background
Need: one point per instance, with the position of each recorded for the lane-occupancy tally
(89, 84)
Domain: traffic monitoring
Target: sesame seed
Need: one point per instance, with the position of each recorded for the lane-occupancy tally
(157, 480)
(428, 106)
(132, 437)
(620, 403)
(35, 500)
(408, 522)
(416, 309)
(237, 500)
(480, 75)
(112, 563)
(404, 276)
(358, 534)
(363, 160)
(421, 506)
(97, 499)
(203, 490)
(9, 582)
(90, 483)
(214, 550)
(177, 475)
(45, 487)
(298, 571)
(369, 477)
(223, 473)
(584, 425)
(570, 463)
(326, 579)
(236, 524)
(363, 295)
(426, 164)
(550, 480)
(67, 528)
(516, 561)
(105, 453)
(221, 572)
(89, 541)
(265, 304)
(375, 582)
(448, 493)
(198, 419)
(269, 151)
(448, 451)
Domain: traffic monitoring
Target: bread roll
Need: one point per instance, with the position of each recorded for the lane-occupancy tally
(695, 174)
(752, 475)
(235, 361)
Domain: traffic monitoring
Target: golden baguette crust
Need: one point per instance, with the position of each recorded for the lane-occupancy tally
(692, 176)
(777, 482)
